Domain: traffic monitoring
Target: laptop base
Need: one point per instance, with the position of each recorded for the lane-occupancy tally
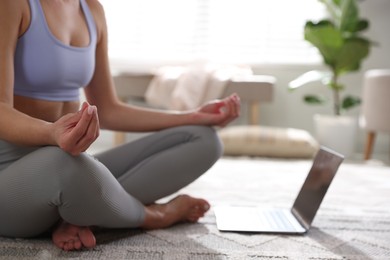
(258, 220)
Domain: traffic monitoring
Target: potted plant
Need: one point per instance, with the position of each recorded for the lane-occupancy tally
(342, 46)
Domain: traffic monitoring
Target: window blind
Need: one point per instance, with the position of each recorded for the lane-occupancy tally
(234, 31)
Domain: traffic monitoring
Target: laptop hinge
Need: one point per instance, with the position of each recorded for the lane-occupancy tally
(300, 219)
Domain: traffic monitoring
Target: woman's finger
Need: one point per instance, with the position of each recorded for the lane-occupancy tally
(78, 130)
(91, 133)
(233, 109)
(235, 105)
(237, 102)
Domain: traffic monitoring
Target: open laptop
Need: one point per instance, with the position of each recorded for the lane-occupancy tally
(296, 220)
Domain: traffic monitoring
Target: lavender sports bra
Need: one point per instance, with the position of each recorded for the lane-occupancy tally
(46, 68)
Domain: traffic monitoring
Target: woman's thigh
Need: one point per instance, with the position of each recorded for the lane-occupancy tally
(29, 188)
(48, 184)
(160, 164)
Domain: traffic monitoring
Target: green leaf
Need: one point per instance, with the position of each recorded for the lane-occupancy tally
(337, 2)
(351, 55)
(362, 25)
(314, 100)
(341, 54)
(333, 8)
(324, 33)
(350, 102)
(325, 36)
(349, 16)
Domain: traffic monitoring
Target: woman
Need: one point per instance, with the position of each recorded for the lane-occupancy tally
(49, 49)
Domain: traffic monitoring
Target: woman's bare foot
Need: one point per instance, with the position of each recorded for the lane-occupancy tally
(180, 209)
(70, 237)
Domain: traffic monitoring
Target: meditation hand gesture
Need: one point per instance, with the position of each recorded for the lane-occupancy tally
(75, 132)
(219, 112)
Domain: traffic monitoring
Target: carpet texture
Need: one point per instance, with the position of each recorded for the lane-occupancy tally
(352, 223)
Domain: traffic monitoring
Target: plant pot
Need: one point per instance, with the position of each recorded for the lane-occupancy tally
(337, 133)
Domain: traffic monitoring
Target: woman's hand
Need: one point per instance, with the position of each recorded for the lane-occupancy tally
(218, 112)
(75, 132)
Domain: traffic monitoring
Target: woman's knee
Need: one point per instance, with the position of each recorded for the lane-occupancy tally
(212, 145)
(72, 170)
(202, 150)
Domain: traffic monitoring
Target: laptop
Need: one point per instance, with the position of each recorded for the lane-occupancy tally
(297, 219)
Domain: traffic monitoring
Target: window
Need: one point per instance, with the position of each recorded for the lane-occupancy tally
(241, 31)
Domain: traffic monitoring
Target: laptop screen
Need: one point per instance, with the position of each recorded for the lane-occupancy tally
(317, 182)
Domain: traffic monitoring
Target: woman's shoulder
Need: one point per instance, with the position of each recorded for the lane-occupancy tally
(16, 6)
(97, 11)
(96, 7)
(15, 12)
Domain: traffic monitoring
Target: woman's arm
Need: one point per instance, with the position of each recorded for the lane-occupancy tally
(15, 127)
(116, 115)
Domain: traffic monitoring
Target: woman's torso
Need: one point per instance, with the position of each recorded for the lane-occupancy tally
(49, 111)
(69, 31)
(67, 23)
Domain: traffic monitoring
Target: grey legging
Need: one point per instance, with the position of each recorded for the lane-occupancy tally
(41, 185)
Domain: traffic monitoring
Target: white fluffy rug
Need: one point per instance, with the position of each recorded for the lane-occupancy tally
(352, 223)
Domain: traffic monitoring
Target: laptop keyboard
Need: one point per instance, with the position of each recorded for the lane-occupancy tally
(276, 219)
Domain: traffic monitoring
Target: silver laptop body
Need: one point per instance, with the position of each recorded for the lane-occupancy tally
(296, 220)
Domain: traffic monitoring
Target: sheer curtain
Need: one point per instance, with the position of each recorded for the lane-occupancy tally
(159, 32)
